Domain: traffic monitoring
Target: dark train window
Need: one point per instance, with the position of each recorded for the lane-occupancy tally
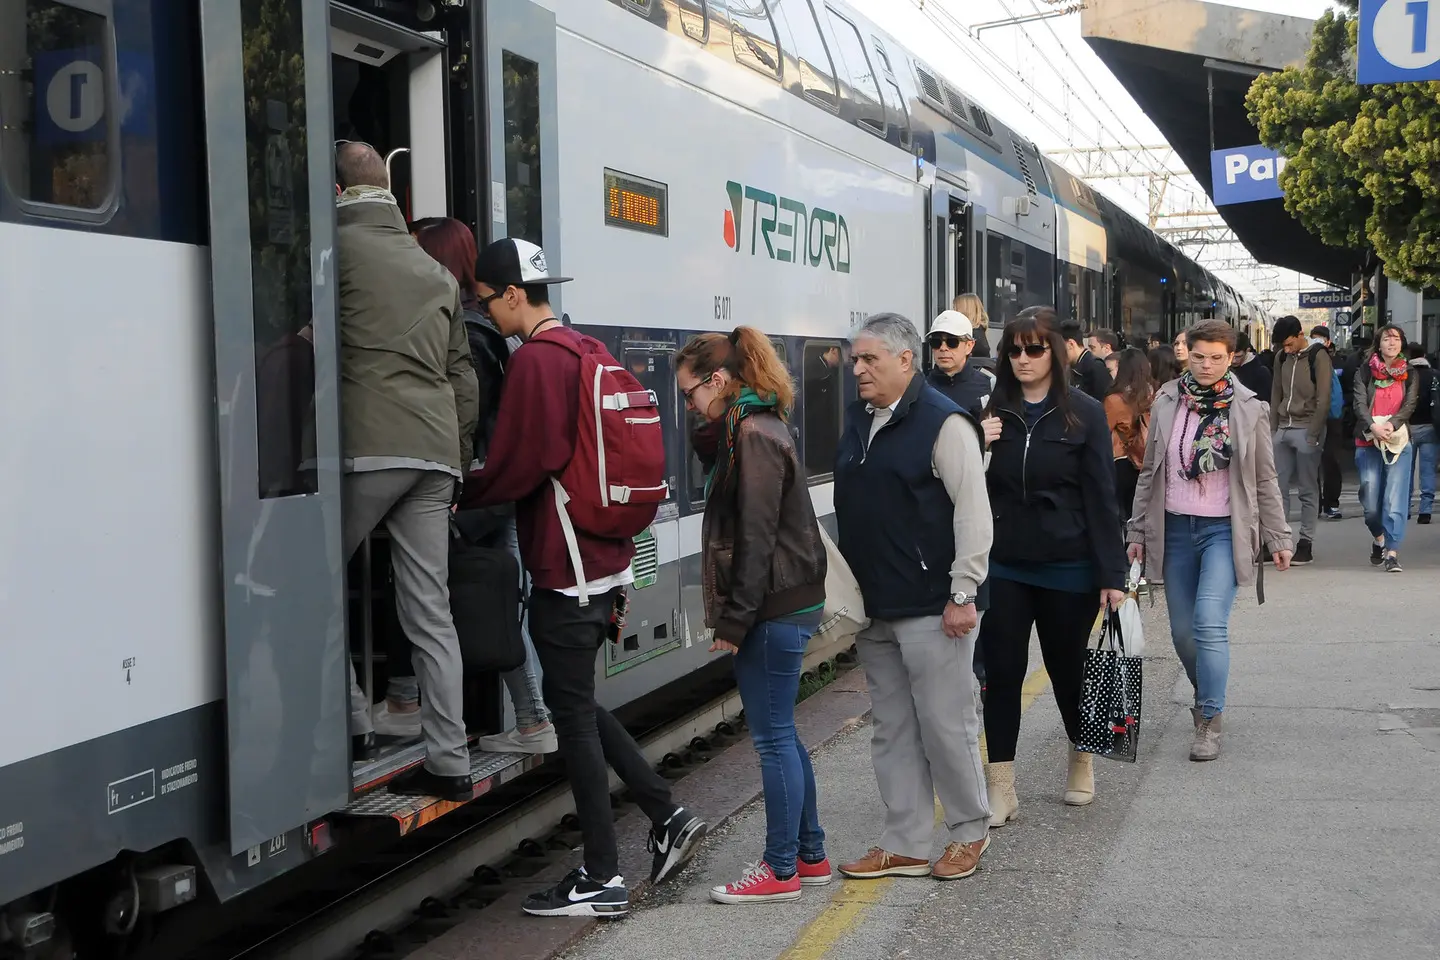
(821, 384)
(275, 155)
(652, 367)
(812, 55)
(753, 36)
(863, 87)
(523, 199)
(695, 19)
(59, 140)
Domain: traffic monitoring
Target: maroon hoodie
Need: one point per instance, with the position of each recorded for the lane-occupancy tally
(533, 441)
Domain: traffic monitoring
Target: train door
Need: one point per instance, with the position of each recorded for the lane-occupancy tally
(952, 258)
(272, 235)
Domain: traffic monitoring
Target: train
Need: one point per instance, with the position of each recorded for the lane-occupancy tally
(178, 618)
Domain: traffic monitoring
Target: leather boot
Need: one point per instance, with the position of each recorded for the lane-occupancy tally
(1207, 739)
(1000, 788)
(1080, 784)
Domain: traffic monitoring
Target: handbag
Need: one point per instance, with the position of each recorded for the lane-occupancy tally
(844, 613)
(486, 604)
(1110, 696)
(1132, 626)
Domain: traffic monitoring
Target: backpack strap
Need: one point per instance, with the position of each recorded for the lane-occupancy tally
(572, 543)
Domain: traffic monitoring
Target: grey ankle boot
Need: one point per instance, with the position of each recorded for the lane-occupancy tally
(1207, 739)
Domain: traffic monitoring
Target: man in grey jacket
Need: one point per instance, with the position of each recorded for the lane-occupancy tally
(409, 402)
(1299, 408)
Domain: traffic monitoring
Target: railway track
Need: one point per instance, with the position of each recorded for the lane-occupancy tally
(382, 903)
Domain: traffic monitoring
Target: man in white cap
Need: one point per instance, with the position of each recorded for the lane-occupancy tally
(951, 340)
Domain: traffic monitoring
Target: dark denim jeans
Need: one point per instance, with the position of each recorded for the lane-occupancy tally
(767, 671)
(1200, 591)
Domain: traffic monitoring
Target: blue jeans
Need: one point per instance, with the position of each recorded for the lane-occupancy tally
(1427, 448)
(767, 671)
(1385, 493)
(1200, 590)
(524, 681)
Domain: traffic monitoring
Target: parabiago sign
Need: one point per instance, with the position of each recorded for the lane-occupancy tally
(786, 229)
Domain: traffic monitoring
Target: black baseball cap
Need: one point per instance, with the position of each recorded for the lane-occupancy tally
(513, 263)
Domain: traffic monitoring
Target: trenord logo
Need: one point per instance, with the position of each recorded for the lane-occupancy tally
(791, 233)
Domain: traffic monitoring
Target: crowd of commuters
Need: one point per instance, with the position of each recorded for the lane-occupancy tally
(1056, 463)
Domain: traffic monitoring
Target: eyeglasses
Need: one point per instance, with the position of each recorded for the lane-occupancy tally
(1033, 350)
(950, 340)
(689, 395)
(483, 304)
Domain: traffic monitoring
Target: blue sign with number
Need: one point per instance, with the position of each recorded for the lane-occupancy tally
(1245, 174)
(72, 97)
(1399, 41)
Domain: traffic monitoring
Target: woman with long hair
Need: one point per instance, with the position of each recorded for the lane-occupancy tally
(1163, 365)
(974, 309)
(763, 573)
(1127, 410)
(452, 244)
(1206, 502)
(1057, 555)
(1181, 346)
(1385, 396)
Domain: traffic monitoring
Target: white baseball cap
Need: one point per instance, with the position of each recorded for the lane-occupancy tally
(954, 323)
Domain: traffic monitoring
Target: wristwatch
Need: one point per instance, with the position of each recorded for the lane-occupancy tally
(961, 599)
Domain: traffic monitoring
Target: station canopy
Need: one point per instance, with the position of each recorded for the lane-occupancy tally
(1188, 64)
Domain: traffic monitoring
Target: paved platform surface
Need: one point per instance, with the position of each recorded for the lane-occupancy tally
(1316, 835)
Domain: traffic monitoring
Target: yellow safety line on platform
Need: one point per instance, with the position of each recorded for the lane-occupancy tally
(855, 897)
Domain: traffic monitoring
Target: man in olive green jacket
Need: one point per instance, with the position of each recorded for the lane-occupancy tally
(409, 402)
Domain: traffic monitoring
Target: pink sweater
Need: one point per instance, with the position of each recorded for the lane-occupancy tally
(1208, 496)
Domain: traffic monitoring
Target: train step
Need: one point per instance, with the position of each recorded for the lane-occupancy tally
(410, 812)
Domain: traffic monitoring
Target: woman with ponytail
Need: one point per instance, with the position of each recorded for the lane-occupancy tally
(763, 574)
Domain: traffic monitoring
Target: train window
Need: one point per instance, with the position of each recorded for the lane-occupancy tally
(821, 383)
(695, 19)
(276, 157)
(811, 54)
(753, 35)
(895, 113)
(884, 57)
(523, 197)
(59, 140)
(863, 88)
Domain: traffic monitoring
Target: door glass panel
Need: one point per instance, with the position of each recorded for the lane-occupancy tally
(821, 386)
(54, 93)
(275, 155)
(652, 368)
(523, 195)
(756, 44)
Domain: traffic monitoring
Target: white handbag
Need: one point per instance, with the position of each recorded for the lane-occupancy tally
(1132, 627)
(844, 613)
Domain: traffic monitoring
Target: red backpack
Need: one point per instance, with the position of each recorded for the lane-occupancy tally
(615, 481)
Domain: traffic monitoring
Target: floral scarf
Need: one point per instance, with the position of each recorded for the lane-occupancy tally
(1388, 374)
(1211, 449)
(745, 404)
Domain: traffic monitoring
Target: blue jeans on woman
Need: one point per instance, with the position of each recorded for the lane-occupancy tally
(1385, 492)
(1200, 589)
(767, 671)
(1427, 451)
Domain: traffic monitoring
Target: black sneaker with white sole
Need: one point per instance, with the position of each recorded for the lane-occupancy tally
(1392, 564)
(580, 896)
(673, 842)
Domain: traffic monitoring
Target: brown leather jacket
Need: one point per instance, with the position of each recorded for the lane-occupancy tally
(762, 556)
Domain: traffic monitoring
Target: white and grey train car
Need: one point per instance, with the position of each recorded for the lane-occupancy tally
(177, 618)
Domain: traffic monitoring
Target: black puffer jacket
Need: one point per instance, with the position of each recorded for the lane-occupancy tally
(970, 388)
(1052, 490)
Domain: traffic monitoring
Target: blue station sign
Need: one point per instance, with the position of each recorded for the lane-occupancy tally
(1245, 175)
(1324, 298)
(1399, 41)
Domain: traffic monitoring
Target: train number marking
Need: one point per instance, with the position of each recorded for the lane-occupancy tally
(276, 846)
(722, 309)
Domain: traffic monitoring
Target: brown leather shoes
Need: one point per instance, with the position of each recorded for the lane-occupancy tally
(960, 860)
(881, 863)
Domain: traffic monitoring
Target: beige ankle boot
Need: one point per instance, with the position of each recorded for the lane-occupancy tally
(1000, 788)
(1080, 784)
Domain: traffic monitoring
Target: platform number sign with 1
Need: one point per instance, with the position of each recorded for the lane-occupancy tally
(1399, 41)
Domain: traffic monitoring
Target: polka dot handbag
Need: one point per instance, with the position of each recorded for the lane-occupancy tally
(1110, 696)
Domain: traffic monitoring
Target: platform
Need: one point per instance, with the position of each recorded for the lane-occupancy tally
(1316, 834)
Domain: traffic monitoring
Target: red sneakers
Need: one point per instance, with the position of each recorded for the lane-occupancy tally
(758, 885)
(814, 874)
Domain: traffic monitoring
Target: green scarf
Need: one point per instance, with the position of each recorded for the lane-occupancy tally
(745, 404)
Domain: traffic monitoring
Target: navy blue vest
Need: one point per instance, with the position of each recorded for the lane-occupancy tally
(894, 514)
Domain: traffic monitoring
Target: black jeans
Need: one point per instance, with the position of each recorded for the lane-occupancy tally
(1064, 621)
(567, 636)
(1330, 454)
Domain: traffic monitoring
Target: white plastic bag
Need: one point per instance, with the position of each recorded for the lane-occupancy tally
(844, 614)
(1132, 628)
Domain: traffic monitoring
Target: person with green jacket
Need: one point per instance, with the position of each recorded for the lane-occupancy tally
(409, 404)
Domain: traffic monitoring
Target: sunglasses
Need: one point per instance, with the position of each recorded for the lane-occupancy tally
(1032, 350)
(936, 340)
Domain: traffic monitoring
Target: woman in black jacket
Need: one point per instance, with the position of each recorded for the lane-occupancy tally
(1058, 554)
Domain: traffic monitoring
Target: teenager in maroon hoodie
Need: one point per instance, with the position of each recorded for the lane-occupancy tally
(533, 441)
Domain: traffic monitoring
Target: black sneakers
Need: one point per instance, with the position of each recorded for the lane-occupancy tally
(421, 782)
(673, 842)
(1304, 552)
(580, 896)
(1377, 554)
(1333, 513)
(1392, 564)
(1423, 518)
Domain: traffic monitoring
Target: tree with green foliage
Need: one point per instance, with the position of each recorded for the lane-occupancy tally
(1363, 163)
